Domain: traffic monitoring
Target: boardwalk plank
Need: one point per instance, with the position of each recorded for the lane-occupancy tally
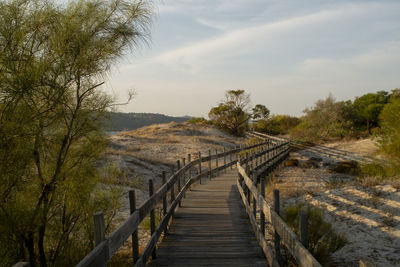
(211, 229)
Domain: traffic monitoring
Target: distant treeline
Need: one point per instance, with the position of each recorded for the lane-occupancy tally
(119, 121)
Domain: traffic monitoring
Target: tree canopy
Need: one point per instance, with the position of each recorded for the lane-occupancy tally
(53, 61)
(231, 114)
(260, 112)
(368, 107)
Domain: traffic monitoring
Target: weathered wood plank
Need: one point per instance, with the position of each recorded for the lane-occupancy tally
(211, 223)
(260, 237)
(288, 237)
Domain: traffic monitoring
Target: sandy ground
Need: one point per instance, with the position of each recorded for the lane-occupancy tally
(369, 216)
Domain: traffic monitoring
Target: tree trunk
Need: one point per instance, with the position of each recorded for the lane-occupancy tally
(42, 255)
(29, 243)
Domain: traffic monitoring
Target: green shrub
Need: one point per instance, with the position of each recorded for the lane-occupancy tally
(198, 120)
(146, 224)
(322, 240)
(347, 167)
(373, 170)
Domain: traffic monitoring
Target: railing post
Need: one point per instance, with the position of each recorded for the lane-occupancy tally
(135, 240)
(184, 174)
(199, 164)
(152, 217)
(190, 169)
(247, 162)
(172, 192)
(230, 160)
(178, 165)
(277, 238)
(164, 200)
(262, 215)
(216, 162)
(224, 159)
(99, 230)
(254, 198)
(209, 164)
(304, 228)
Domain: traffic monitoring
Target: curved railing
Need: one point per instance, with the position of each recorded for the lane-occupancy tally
(107, 247)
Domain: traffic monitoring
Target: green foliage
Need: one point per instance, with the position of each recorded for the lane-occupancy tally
(198, 120)
(322, 240)
(260, 112)
(373, 170)
(368, 107)
(347, 167)
(389, 134)
(323, 122)
(53, 59)
(231, 114)
(277, 124)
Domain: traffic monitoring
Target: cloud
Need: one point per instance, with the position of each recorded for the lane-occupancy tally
(249, 39)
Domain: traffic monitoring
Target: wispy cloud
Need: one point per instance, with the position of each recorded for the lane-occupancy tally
(241, 41)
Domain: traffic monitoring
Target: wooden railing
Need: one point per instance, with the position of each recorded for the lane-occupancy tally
(257, 166)
(107, 247)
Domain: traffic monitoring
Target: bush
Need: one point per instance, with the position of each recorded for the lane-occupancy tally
(389, 135)
(373, 170)
(198, 120)
(322, 240)
(347, 167)
(277, 124)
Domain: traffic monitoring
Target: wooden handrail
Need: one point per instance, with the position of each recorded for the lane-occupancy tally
(288, 237)
(106, 249)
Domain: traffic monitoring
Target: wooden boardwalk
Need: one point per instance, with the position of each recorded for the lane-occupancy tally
(211, 229)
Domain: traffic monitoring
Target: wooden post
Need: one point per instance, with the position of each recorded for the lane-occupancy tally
(224, 159)
(254, 198)
(100, 232)
(172, 192)
(178, 165)
(184, 174)
(190, 169)
(216, 162)
(135, 240)
(251, 165)
(277, 238)
(230, 160)
(199, 164)
(164, 180)
(247, 162)
(209, 164)
(152, 216)
(262, 215)
(99, 228)
(304, 228)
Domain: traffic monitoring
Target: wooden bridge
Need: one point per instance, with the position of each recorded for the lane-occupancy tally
(215, 218)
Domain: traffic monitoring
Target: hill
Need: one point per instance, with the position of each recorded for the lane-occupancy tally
(131, 121)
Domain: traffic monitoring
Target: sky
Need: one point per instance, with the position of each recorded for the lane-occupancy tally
(285, 54)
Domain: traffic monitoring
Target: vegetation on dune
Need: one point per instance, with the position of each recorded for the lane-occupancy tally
(232, 114)
(323, 241)
(53, 61)
(389, 134)
(276, 124)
